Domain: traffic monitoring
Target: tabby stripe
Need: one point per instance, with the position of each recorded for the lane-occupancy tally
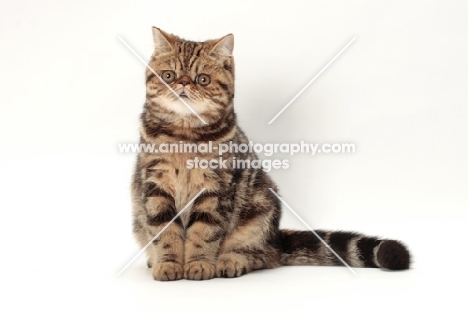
(219, 102)
(225, 209)
(155, 162)
(293, 241)
(203, 217)
(259, 179)
(205, 196)
(215, 237)
(149, 77)
(237, 176)
(197, 257)
(153, 190)
(182, 62)
(249, 213)
(216, 135)
(155, 130)
(255, 253)
(162, 131)
(219, 130)
(163, 217)
(187, 50)
(228, 66)
(197, 67)
(339, 242)
(223, 86)
(366, 249)
(196, 55)
(168, 258)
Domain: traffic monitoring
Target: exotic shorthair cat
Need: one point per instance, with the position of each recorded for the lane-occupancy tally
(231, 228)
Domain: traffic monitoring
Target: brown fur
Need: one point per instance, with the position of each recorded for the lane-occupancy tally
(232, 227)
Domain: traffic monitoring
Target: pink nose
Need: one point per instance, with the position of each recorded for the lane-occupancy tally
(184, 80)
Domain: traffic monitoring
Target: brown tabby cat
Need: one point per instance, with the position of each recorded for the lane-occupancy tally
(232, 227)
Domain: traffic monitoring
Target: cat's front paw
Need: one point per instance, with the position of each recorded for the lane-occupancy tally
(167, 271)
(231, 265)
(199, 270)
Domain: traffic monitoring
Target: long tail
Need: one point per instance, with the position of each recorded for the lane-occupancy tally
(357, 250)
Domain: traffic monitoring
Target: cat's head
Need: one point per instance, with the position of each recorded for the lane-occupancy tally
(200, 73)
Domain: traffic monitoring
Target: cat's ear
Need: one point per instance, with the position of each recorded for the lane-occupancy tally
(223, 46)
(162, 40)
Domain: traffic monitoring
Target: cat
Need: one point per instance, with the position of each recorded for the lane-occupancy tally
(232, 227)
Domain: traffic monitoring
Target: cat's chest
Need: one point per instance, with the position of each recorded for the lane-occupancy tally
(187, 183)
(177, 174)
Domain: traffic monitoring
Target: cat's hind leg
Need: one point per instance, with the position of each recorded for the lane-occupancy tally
(250, 246)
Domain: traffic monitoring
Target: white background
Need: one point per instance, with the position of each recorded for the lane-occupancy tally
(71, 91)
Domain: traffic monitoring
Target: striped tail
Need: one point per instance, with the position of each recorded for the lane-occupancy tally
(357, 250)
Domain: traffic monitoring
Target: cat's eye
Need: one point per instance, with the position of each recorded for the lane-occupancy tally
(203, 79)
(168, 76)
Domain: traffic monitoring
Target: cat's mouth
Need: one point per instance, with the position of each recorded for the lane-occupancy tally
(183, 95)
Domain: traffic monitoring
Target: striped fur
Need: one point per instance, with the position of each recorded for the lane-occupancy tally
(232, 228)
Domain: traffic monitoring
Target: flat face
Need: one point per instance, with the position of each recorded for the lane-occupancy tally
(197, 72)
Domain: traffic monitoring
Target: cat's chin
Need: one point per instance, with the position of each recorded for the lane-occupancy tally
(181, 109)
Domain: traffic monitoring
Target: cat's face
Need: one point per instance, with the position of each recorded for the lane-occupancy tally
(200, 73)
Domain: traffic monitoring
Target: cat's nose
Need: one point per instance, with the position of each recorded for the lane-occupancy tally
(184, 80)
